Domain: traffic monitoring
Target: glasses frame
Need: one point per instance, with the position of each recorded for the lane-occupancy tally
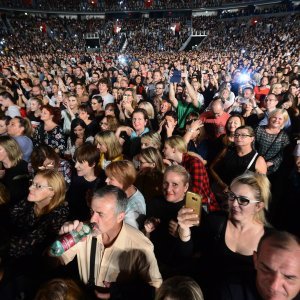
(39, 186)
(231, 196)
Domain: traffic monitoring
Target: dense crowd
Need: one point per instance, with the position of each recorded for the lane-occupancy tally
(132, 143)
(114, 5)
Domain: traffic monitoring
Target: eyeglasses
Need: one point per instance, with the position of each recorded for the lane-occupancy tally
(128, 95)
(243, 201)
(39, 186)
(243, 136)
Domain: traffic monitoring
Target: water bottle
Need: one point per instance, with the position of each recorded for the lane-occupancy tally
(68, 240)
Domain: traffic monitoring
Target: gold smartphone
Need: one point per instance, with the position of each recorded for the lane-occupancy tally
(194, 201)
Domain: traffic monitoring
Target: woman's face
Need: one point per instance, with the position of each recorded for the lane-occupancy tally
(287, 104)
(164, 107)
(113, 181)
(3, 154)
(40, 192)
(143, 164)
(83, 115)
(45, 115)
(73, 102)
(247, 106)
(104, 124)
(225, 94)
(242, 137)
(34, 105)
(79, 90)
(79, 131)
(96, 106)
(174, 188)
(3, 127)
(109, 111)
(101, 147)
(239, 212)
(233, 124)
(277, 89)
(14, 128)
(83, 168)
(138, 79)
(276, 121)
(138, 122)
(146, 143)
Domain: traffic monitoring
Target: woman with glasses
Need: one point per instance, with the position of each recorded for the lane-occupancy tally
(35, 222)
(227, 241)
(34, 225)
(233, 162)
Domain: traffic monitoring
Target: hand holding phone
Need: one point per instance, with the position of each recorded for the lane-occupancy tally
(194, 201)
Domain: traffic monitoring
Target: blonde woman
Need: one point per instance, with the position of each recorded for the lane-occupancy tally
(13, 171)
(109, 147)
(36, 220)
(228, 240)
(151, 170)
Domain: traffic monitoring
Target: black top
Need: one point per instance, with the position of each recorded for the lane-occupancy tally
(79, 194)
(233, 165)
(16, 180)
(165, 245)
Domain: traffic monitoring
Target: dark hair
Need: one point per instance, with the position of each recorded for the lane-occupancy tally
(7, 95)
(121, 197)
(278, 239)
(77, 122)
(40, 153)
(87, 109)
(54, 111)
(143, 112)
(172, 114)
(87, 152)
(6, 119)
(24, 122)
(98, 98)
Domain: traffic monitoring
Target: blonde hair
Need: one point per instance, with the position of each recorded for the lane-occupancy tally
(147, 106)
(180, 170)
(12, 149)
(152, 155)
(57, 182)
(179, 287)
(114, 148)
(153, 138)
(281, 111)
(123, 171)
(177, 142)
(260, 185)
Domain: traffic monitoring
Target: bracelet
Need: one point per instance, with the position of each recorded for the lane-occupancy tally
(254, 107)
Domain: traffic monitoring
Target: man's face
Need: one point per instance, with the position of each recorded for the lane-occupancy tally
(278, 272)
(103, 88)
(157, 76)
(95, 77)
(247, 94)
(104, 214)
(271, 102)
(159, 90)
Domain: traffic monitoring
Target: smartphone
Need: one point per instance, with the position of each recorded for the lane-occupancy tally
(194, 201)
(59, 93)
(176, 77)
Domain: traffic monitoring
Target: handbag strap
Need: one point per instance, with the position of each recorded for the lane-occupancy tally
(252, 160)
(91, 280)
